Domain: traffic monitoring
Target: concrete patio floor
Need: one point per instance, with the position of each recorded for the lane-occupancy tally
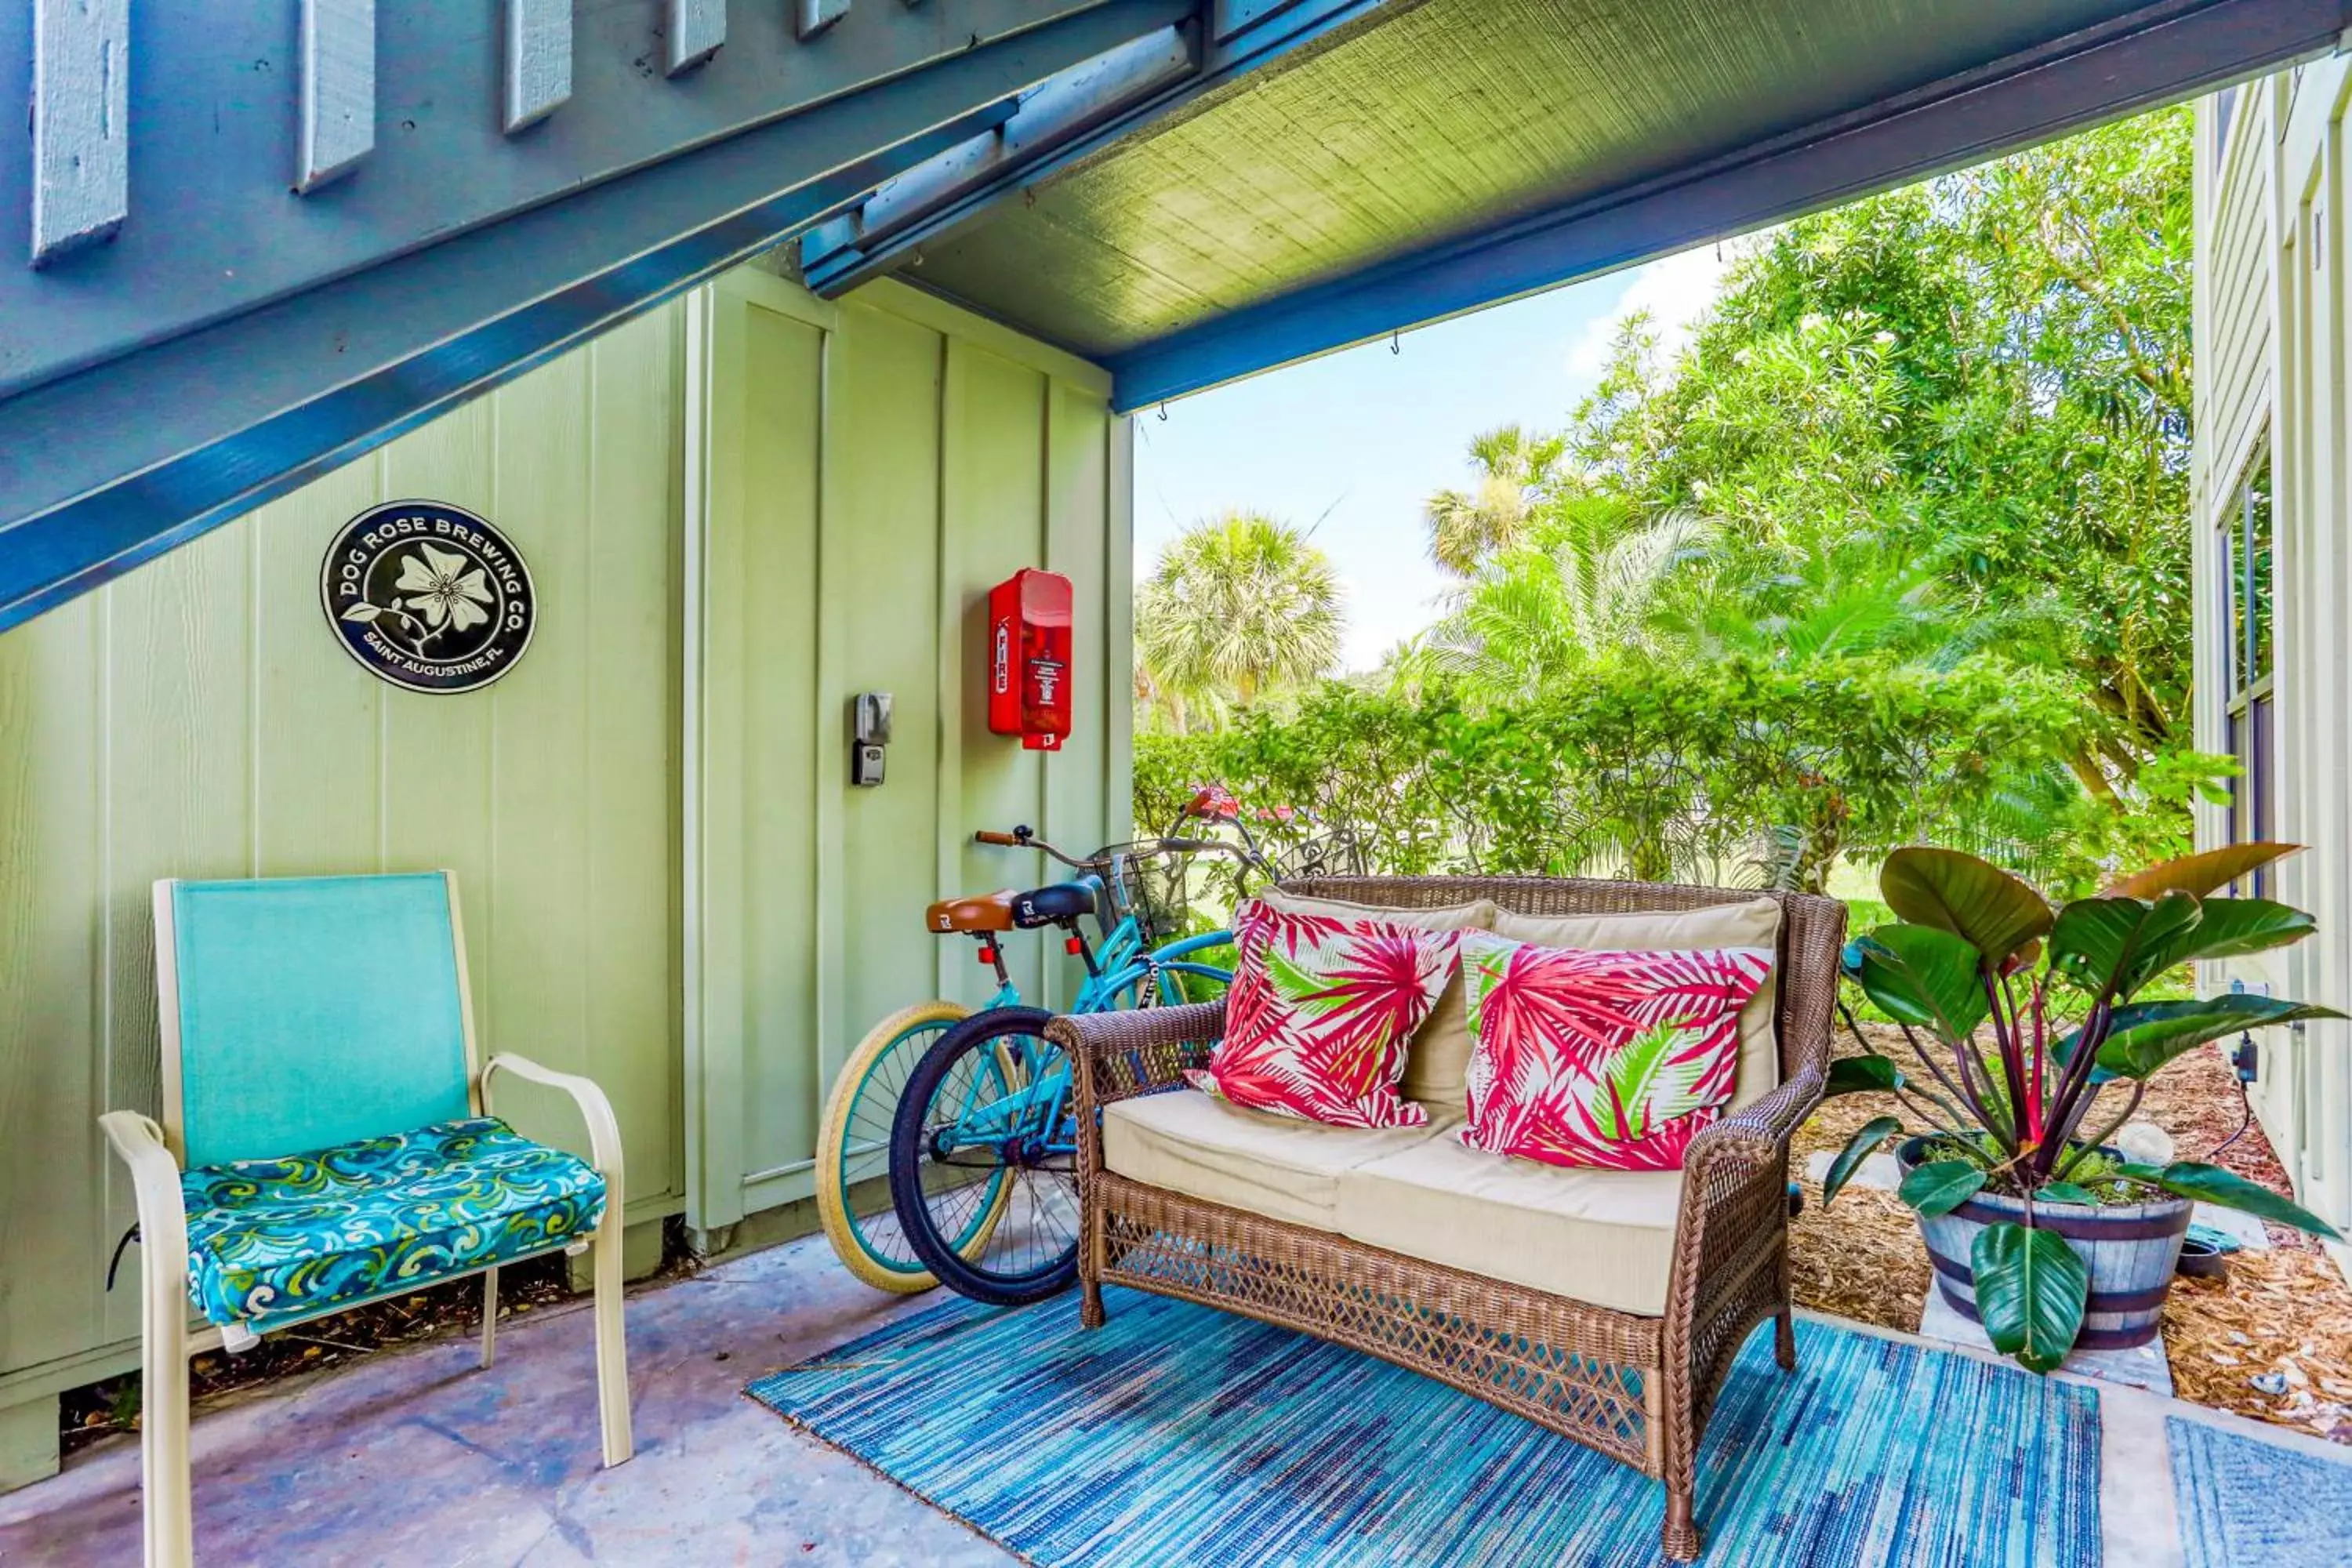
(416, 1457)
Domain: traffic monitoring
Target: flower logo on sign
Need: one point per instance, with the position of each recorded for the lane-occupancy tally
(428, 597)
(439, 590)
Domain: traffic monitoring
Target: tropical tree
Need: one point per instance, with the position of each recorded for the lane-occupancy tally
(1237, 606)
(1586, 584)
(1938, 440)
(1986, 376)
(1514, 471)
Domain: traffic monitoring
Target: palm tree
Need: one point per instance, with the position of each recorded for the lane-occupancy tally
(1514, 471)
(1238, 605)
(1588, 581)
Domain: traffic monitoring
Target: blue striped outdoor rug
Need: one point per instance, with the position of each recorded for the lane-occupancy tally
(2245, 1501)
(1180, 1436)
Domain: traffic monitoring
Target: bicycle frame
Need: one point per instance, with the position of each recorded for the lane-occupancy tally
(1034, 1081)
(1041, 1098)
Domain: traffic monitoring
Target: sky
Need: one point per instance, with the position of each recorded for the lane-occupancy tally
(1350, 445)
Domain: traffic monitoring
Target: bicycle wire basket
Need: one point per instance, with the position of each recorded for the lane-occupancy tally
(1147, 880)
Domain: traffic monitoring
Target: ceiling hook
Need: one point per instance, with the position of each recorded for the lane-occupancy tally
(1395, 347)
(1163, 412)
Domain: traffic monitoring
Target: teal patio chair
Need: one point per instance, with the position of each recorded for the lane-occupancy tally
(327, 1142)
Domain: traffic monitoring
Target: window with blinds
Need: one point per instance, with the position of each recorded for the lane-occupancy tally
(2244, 541)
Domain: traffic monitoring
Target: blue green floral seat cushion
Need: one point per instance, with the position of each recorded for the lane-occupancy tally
(271, 1241)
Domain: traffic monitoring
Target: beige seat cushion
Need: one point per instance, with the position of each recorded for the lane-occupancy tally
(1755, 923)
(1602, 1237)
(1437, 1058)
(1187, 1142)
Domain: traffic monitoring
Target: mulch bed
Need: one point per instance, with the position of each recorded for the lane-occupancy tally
(2284, 1317)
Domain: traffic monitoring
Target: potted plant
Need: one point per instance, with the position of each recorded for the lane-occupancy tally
(2040, 1054)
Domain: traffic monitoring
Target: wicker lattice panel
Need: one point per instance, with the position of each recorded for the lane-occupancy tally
(1575, 1370)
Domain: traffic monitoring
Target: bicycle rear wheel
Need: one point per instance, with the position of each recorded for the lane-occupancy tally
(853, 1148)
(983, 1161)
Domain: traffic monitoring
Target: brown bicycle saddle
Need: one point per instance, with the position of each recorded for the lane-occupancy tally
(979, 912)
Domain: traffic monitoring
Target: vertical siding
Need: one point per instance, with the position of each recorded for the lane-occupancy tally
(876, 467)
(196, 719)
(737, 511)
(2269, 330)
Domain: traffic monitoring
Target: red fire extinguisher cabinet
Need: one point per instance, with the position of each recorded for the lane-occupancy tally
(1029, 658)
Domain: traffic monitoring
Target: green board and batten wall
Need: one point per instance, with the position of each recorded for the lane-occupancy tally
(737, 511)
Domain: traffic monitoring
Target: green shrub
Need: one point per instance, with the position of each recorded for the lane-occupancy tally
(1732, 772)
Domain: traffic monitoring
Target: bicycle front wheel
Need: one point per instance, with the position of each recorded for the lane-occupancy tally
(853, 1148)
(984, 1160)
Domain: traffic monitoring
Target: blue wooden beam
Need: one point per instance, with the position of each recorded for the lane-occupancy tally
(106, 467)
(1243, 35)
(179, 134)
(2151, 55)
(1047, 117)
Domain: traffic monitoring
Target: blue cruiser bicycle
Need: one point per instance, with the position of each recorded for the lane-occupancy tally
(968, 1114)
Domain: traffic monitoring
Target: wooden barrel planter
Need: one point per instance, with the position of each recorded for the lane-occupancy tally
(2130, 1253)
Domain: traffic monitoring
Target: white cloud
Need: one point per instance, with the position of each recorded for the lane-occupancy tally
(1675, 290)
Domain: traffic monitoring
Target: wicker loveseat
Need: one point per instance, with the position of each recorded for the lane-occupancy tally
(1632, 1373)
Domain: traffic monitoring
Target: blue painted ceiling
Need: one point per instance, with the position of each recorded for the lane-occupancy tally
(1253, 229)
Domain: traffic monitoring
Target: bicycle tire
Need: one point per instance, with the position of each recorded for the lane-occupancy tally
(870, 1245)
(1047, 1263)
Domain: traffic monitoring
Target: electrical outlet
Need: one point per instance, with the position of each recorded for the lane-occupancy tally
(2246, 1057)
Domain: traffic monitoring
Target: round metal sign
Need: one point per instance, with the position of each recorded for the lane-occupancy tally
(429, 596)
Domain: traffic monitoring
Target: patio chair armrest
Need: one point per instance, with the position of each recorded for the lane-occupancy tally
(1761, 1130)
(1117, 1055)
(155, 1188)
(603, 1127)
(1124, 1053)
(1735, 1190)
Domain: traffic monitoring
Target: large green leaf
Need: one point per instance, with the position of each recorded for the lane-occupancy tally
(2104, 945)
(1920, 975)
(1974, 900)
(2064, 1193)
(1939, 1186)
(2031, 1290)
(1861, 1074)
(2145, 1035)
(1877, 1130)
(2199, 874)
(2212, 1183)
(2232, 928)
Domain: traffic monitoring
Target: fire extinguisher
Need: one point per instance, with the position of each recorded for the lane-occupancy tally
(1029, 658)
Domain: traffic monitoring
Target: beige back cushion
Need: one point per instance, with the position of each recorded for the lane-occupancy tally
(1437, 1062)
(1755, 923)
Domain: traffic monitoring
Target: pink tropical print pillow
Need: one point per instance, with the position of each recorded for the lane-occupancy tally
(1612, 1060)
(1319, 1015)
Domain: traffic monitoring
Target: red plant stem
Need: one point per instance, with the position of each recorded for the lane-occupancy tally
(2070, 1103)
(2012, 1068)
(1961, 1090)
(1976, 1083)
(2000, 1120)
(2029, 1067)
(2041, 1037)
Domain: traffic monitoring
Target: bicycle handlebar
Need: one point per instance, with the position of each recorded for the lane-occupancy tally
(1021, 839)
